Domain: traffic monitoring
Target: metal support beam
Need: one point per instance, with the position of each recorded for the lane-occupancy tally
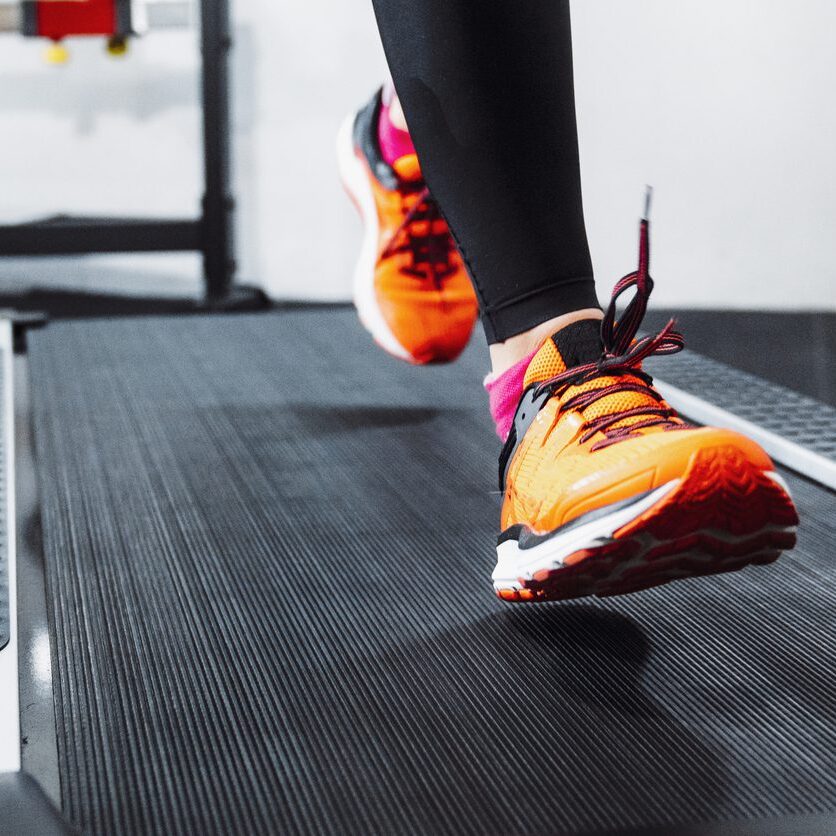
(68, 236)
(218, 202)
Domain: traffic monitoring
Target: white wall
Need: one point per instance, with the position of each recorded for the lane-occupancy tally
(726, 107)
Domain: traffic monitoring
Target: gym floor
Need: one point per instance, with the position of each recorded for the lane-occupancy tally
(796, 350)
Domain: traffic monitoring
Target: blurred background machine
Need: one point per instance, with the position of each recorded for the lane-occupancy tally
(115, 20)
(212, 233)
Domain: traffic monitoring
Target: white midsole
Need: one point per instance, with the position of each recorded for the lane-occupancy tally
(356, 181)
(779, 480)
(515, 563)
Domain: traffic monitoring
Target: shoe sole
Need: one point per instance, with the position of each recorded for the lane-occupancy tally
(723, 514)
(355, 180)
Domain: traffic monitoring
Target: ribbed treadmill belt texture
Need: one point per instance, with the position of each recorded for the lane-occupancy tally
(268, 551)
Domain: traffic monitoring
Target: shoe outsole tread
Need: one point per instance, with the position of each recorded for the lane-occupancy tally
(725, 514)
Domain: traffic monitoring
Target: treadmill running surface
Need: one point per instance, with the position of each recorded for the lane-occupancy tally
(268, 552)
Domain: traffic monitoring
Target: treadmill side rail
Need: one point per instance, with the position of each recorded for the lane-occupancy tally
(797, 431)
(26, 811)
(9, 697)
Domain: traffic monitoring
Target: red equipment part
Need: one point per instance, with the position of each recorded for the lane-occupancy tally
(57, 19)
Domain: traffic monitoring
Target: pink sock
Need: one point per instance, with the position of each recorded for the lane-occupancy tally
(504, 393)
(394, 142)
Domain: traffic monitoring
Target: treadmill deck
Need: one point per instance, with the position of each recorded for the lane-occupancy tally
(268, 552)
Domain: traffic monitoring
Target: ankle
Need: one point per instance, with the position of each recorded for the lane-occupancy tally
(507, 354)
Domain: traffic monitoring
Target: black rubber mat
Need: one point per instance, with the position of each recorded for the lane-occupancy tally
(269, 549)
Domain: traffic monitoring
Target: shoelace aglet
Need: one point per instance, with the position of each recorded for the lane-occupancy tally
(648, 199)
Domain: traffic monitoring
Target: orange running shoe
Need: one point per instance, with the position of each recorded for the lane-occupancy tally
(607, 490)
(411, 289)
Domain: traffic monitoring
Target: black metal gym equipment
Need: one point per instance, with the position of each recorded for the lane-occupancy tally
(211, 234)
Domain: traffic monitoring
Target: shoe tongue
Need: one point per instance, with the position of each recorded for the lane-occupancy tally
(408, 168)
(573, 345)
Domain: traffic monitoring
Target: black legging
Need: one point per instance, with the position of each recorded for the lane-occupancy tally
(487, 90)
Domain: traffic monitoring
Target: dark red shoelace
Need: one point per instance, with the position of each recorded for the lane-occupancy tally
(622, 357)
(429, 249)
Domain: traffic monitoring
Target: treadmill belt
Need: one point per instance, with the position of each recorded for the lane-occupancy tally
(268, 552)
